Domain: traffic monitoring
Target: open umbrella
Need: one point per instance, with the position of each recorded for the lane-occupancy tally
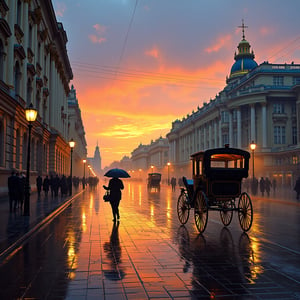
(119, 173)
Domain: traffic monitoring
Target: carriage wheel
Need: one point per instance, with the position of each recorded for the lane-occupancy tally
(183, 208)
(200, 212)
(227, 212)
(245, 211)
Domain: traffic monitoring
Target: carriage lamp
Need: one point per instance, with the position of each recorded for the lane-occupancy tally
(30, 114)
(72, 145)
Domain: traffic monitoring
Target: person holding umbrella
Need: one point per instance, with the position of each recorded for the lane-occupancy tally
(115, 186)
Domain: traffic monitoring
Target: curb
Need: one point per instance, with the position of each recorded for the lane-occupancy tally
(18, 244)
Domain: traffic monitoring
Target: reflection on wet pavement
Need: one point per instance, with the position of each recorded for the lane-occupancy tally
(82, 254)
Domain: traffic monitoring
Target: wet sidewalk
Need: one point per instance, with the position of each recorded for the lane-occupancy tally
(15, 228)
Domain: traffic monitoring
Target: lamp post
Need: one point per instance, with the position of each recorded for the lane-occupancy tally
(152, 168)
(253, 147)
(30, 114)
(72, 145)
(83, 183)
(168, 173)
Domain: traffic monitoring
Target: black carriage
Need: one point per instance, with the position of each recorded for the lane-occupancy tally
(216, 185)
(154, 181)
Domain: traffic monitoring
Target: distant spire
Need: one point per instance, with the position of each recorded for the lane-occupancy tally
(243, 28)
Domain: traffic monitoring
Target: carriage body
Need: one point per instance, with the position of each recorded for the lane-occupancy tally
(154, 181)
(219, 172)
(217, 178)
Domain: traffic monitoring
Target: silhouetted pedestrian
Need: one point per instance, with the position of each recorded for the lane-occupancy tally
(297, 188)
(262, 186)
(63, 186)
(115, 186)
(173, 183)
(21, 190)
(69, 185)
(268, 185)
(12, 183)
(39, 183)
(56, 185)
(46, 184)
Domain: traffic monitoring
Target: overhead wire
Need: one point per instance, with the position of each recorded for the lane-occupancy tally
(288, 46)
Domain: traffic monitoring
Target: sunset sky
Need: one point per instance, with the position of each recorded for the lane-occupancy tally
(139, 65)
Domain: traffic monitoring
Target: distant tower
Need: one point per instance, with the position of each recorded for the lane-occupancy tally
(97, 160)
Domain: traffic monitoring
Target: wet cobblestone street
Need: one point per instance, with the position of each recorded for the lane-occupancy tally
(82, 254)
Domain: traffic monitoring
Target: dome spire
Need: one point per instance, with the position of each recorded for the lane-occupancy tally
(243, 28)
(244, 59)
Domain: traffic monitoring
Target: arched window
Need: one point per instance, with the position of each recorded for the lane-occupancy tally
(19, 12)
(29, 91)
(17, 77)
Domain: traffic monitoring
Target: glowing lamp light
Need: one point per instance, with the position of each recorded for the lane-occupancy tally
(72, 144)
(252, 146)
(30, 113)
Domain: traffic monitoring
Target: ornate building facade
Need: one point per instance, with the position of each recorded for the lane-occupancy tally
(34, 68)
(259, 103)
(77, 133)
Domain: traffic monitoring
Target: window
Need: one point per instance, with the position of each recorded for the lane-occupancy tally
(224, 116)
(279, 135)
(278, 108)
(278, 80)
(17, 77)
(234, 115)
(294, 135)
(225, 139)
(296, 80)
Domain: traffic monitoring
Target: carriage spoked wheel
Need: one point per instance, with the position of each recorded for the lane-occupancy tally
(226, 212)
(200, 211)
(245, 211)
(183, 208)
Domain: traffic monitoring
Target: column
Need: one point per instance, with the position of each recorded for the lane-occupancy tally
(264, 125)
(239, 127)
(230, 129)
(210, 135)
(252, 123)
(216, 133)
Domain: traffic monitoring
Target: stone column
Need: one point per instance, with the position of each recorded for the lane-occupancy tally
(252, 123)
(264, 125)
(230, 129)
(239, 127)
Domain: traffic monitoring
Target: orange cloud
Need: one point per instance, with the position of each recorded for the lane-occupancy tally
(60, 9)
(265, 30)
(154, 52)
(98, 38)
(136, 107)
(220, 43)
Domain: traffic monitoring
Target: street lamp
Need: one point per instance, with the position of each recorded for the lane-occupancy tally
(30, 114)
(152, 167)
(253, 147)
(83, 184)
(168, 173)
(72, 145)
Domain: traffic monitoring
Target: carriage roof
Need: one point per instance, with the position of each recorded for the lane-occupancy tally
(221, 154)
